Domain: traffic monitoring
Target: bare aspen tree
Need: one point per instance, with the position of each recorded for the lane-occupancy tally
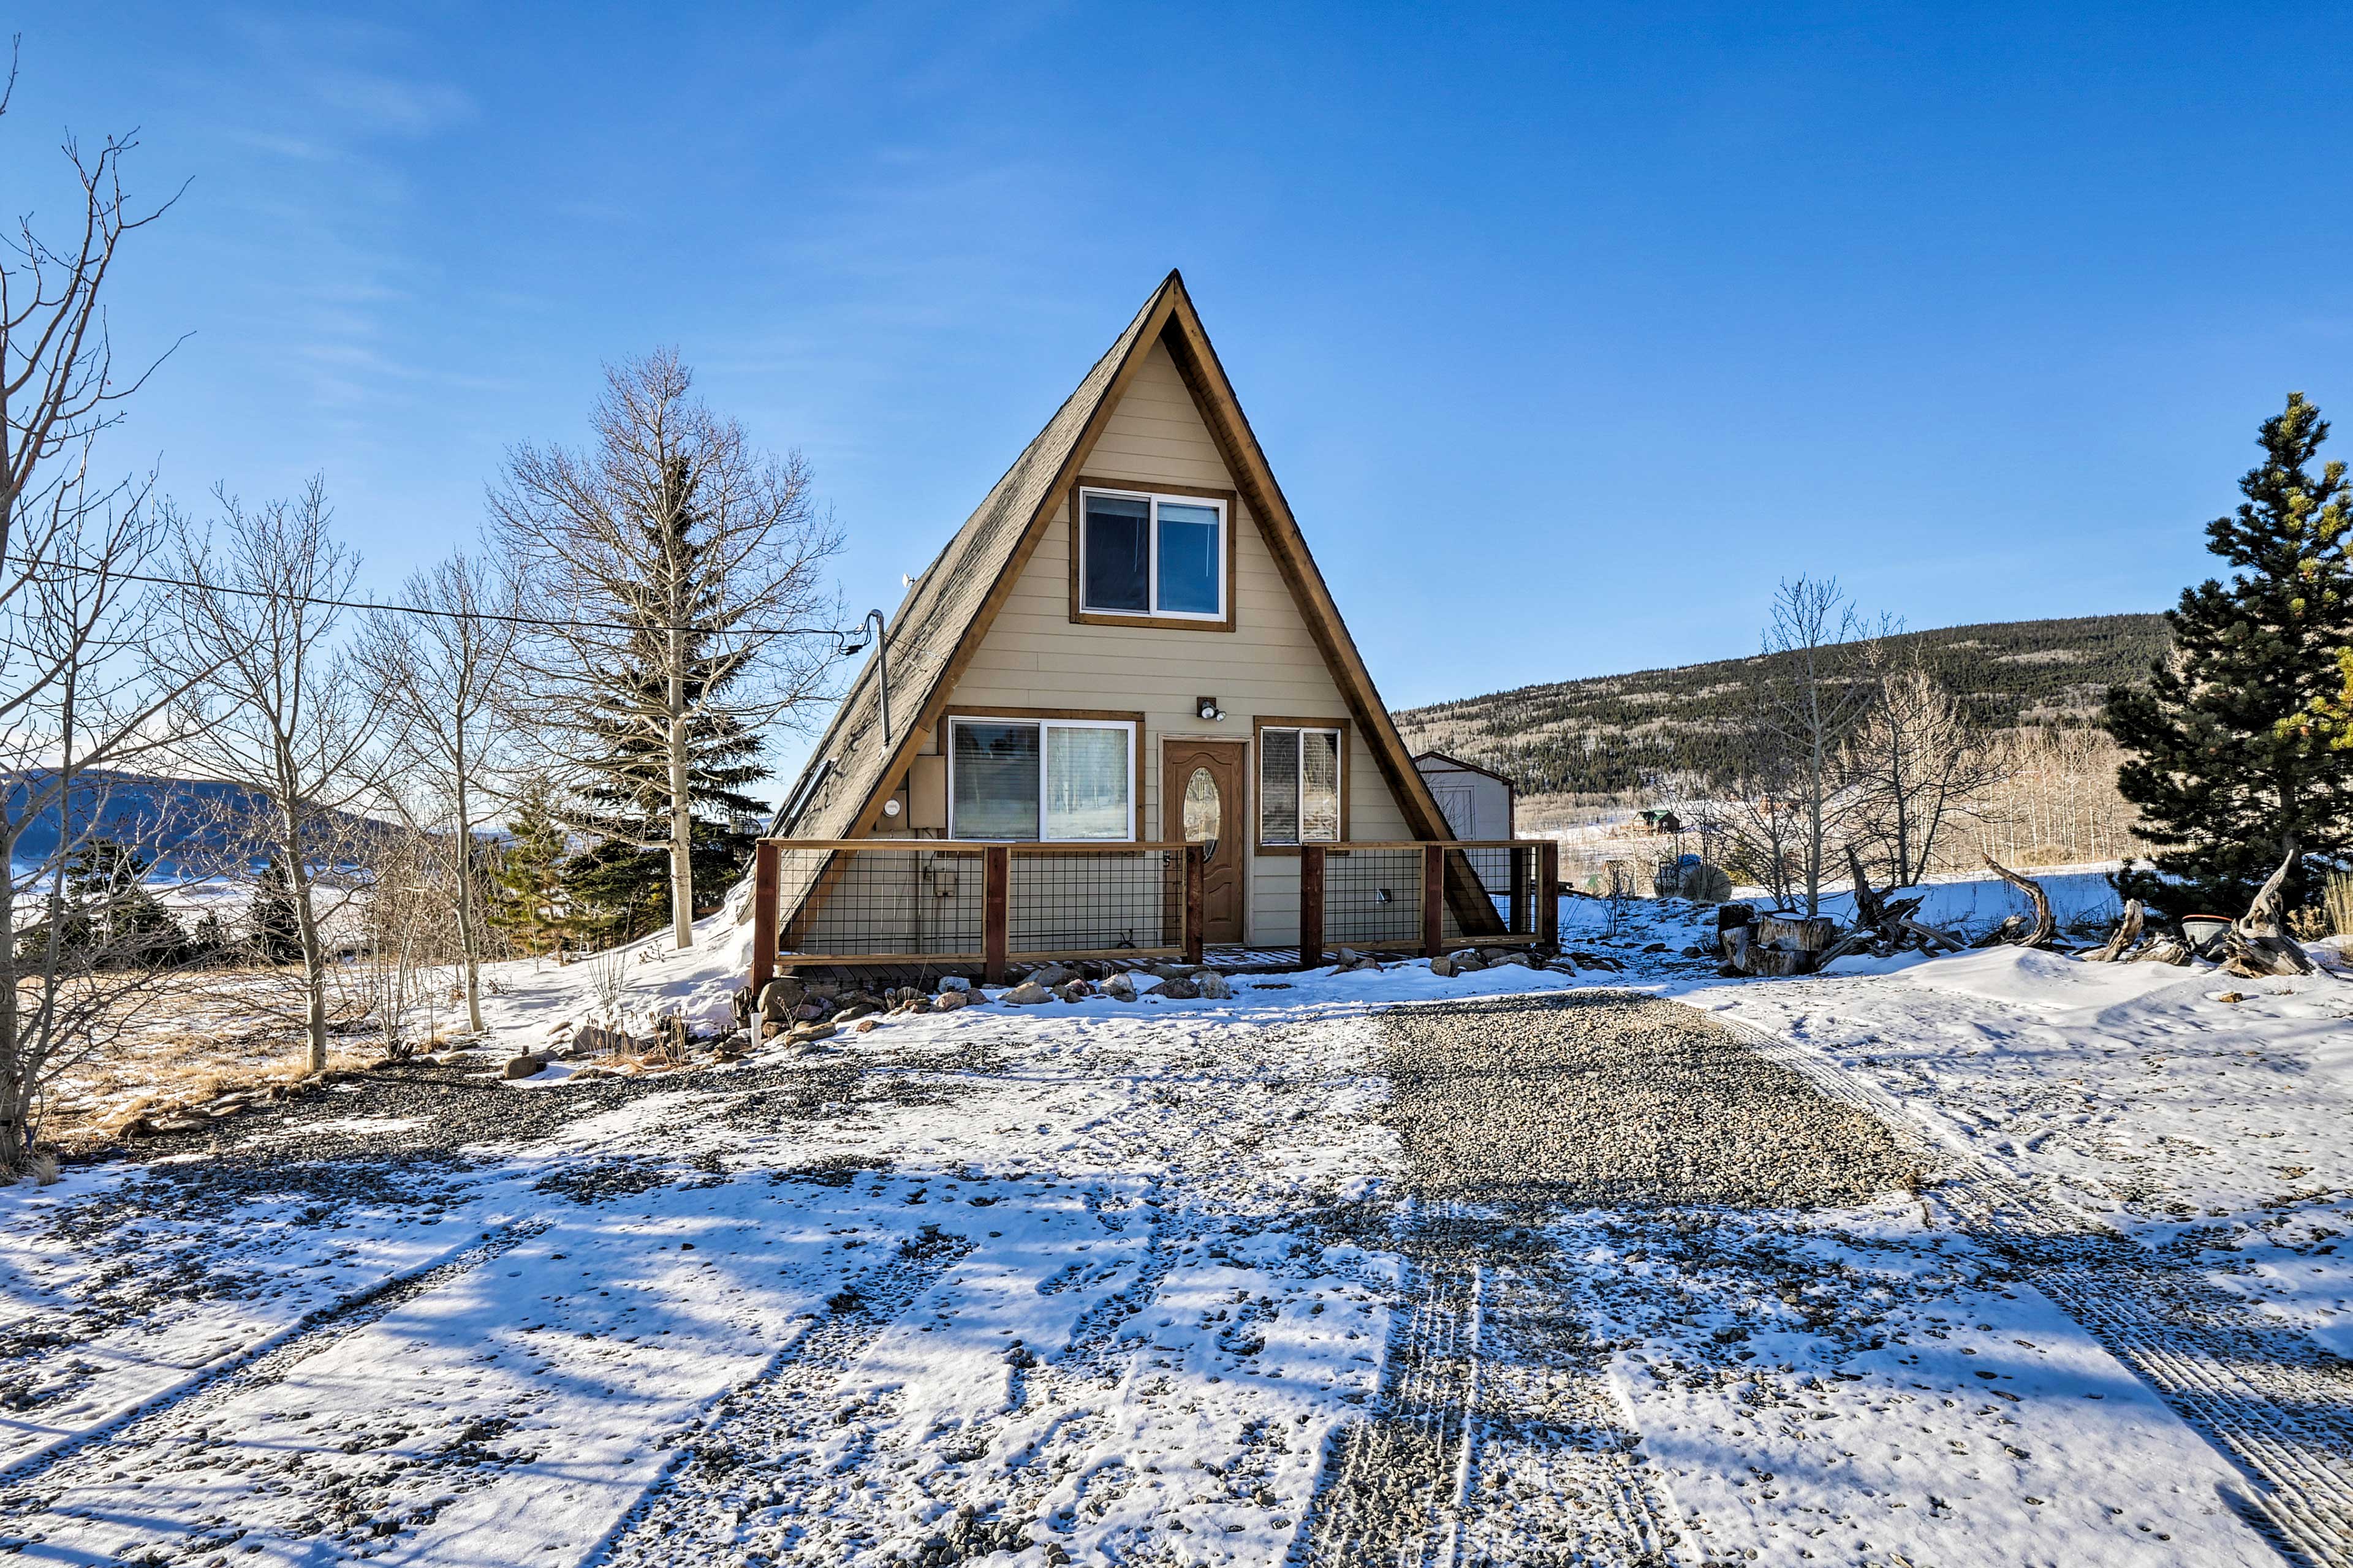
(75, 697)
(1812, 698)
(673, 551)
(285, 711)
(445, 670)
(1917, 761)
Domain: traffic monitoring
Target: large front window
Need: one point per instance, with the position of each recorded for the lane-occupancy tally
(1299, 787)
(1143, 554)
(1029, 779)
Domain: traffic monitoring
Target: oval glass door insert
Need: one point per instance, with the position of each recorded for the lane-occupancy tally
(1202, 813)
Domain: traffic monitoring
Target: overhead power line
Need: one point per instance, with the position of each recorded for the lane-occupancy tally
(836, 632)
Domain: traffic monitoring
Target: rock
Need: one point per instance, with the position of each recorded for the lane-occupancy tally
(1120, 988)
(1444, 967)
(181, 1124)
(1172, 972)
(1176, 989)
(956, 983)
(949, 1001)
(859, 1008)
(864, 1025)
(809, 1012)
(1655, 947)
(1517, 960)
(1054, 976)
(1074, 990)
(1213, 985)
(1029, 994)
(524, 1067)
(803, 1034)
(1468, 959)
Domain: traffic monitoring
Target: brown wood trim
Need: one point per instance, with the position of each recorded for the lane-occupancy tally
(1082, 617)
(1108, 954)
(764, 915)
(1265, 722)
(1195, 863)
(819, 960)
(1548, 893)
(1310, 905)
(1433, 900)
(995, 879)
(1099, 715)
(1057, 496)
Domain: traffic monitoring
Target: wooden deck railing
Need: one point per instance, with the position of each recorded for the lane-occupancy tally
(947, 904)
(954, 904)
(1426, 896)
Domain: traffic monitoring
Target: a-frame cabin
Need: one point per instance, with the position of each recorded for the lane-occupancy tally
(1128, 642)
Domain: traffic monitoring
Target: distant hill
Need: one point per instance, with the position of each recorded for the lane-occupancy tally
(188, 828)
(1607, 733)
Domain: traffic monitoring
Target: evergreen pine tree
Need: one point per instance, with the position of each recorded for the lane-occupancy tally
(622, 889)
(107, 913)
(2227, 767)
(272, 930)
(527, 897)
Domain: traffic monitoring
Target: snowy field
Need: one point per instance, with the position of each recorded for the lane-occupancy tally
(1176, 1282)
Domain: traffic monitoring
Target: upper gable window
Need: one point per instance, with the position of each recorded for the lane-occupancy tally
(1157, 555)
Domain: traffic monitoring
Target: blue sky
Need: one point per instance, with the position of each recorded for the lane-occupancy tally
(1568, 330)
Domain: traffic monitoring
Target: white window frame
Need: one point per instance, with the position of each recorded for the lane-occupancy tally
(1152, 552)
(1127, 726)
(1299, 783)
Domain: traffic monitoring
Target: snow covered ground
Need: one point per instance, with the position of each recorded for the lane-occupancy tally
(1138, 1283)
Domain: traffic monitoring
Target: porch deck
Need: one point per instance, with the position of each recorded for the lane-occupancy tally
(902, 910)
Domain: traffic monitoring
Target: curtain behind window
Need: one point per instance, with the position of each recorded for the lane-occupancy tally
(1086, 782)
(1278, 786)
(996, 768)
(1319, 787)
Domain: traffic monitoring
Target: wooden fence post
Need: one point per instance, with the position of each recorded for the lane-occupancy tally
(764, 915)
(1310, 905)
(996, 877)
(1196, 862)
(1548, 893)
(1433, 900)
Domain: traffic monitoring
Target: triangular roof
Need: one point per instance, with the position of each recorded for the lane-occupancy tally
(948, 611)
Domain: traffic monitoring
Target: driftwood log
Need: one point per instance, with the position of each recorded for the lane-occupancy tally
(2045, 927)
(1885, 926)
(2258, 944)
(2121, 939)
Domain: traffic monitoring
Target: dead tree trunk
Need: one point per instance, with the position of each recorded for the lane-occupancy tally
(2045, 926)
(2120, 940)
(2258, 944)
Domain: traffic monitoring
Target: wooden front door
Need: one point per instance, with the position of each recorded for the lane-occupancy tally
(1201, 803)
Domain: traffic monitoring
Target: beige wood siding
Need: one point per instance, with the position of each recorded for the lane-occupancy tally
(1034, 657)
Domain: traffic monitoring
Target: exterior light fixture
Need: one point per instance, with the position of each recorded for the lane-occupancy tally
(1207, 707)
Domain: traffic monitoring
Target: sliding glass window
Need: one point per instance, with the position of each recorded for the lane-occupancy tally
(1048, 779)
(1144, 554)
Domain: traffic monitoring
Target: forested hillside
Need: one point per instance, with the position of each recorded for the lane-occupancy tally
(1611, 732)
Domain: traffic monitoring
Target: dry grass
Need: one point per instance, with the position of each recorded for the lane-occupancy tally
(216, 1032)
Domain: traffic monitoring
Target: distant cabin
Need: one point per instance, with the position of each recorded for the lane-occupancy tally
(1127, 643)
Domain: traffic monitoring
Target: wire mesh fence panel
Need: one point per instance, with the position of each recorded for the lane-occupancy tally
(1064, 901)
(881, 902)
(1506, 874)
(1372, 898)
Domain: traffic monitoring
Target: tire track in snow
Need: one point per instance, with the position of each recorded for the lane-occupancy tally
(265, 1361)
(1489, 1391)
(755, 1451)
(2277, 1407)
